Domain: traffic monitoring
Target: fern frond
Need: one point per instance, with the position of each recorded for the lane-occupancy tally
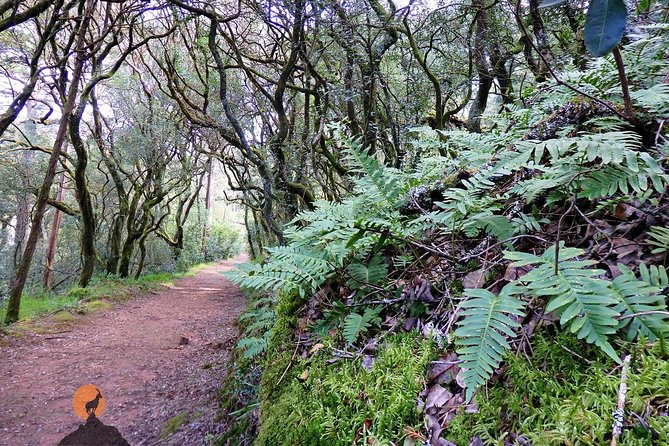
(655, 275)
(654, 99)
(356, 324)
(252, 346)
(497, 226)
(293, 268)
(576, 294)
(659, 236)
(373, 274)
(524, 223)
(634, 298)
(386, 182)
(482, 331)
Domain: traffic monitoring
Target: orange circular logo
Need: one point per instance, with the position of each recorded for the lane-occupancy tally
(88, 401)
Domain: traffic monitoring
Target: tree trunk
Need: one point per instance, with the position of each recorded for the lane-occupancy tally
(208, 209)
(126, 257)
(83, 196)
(19, 280)
(543, 46)
(22, 215)
(483, 68)
(47, 279)
(142, 257)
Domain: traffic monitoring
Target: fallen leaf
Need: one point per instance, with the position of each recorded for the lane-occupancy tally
(304, 375)
(624, 211)
(315, 348)
(444, 370)
(472, 407)
(434, 427)
(460, 380)
(628, 251)
(437, 397)
(515, 272)
(475, 279)
(409, 323)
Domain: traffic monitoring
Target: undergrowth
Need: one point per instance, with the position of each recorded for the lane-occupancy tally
(557, 397)
(559, 223)
(321, 403)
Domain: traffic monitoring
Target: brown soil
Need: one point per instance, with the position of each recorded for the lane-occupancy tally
(154, 386)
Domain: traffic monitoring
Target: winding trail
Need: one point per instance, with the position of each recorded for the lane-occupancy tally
(135, 353)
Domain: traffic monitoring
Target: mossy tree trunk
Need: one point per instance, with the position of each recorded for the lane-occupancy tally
(83, 197)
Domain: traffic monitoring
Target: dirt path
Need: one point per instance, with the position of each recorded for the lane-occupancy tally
(133, 353)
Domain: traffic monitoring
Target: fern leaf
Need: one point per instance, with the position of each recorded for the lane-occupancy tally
(252, 346)
(638, 296)
(374, 273)
(383, 180)
(654, 275)
(576, 294)
(659, 236)
(356, 324)
(486, 321)
(497, 226)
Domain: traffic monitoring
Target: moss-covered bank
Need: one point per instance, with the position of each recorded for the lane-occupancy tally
(560, 399)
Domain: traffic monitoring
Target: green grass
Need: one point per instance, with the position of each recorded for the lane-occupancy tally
(174, 424)
(37, 302)
(41, 303)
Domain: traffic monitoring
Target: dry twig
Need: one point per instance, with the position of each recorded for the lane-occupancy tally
(619, 413)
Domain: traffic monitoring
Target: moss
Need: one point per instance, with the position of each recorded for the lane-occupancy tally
(560, 399)
(97, 305)
(280, 347)
(64, 316)
(173, 424)
(335, 403)
(79, 293)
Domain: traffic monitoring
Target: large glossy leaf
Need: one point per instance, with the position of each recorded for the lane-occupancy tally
(604, 25)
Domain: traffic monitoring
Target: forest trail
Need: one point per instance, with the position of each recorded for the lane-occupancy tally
(133, 353)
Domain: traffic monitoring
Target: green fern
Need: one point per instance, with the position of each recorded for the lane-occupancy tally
(293, 269)
(485, 324)
(581, 299)
(384, 181)
(654, 99)
(372, 274)
(635, 297)
(497, 226)
(253, 346)
(655, 275)
(357, 324)
(659, 236)
(524, 223)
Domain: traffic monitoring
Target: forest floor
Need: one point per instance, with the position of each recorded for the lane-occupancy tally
(159, 388)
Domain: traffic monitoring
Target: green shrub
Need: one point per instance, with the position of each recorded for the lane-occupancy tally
(224, 241)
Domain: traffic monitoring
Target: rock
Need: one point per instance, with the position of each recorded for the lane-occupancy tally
(94, 433)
